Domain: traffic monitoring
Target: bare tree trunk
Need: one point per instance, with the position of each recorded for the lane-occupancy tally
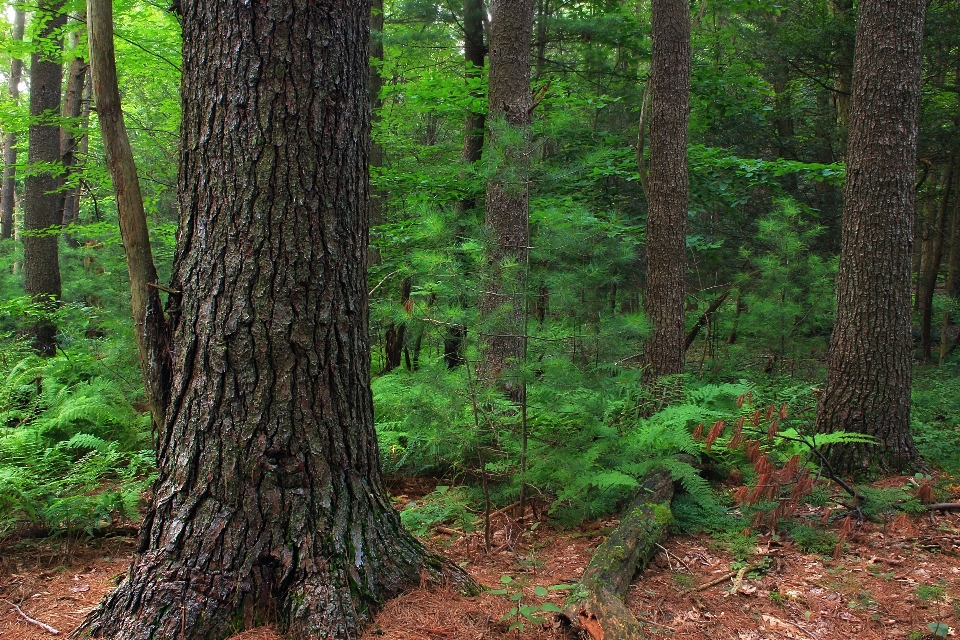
(150, 325)
(932, 258)
(665, 298)
(376, 149)
(951, 262)
(869, 377)
(843, 45)
(72, 110)
(269, 503)
(474, 53)
(42, 209)
(8, 192)
(507, 200)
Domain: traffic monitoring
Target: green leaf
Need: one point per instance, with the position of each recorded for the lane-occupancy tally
(540, 591)
(939, 629)
(506, 579)
(550, 607)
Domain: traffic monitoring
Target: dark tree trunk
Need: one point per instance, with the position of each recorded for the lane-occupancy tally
(269, 502)
(932, 258)
(7, 195)
(664, 301)
(507, 200)
(843, 44)
(42, 208)
(951, 262)
(376, 150)
(72, 110)
(869, 378)
(150, 326)
(474, 52)
(395, 337)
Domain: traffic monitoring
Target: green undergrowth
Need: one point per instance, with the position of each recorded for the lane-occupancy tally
(74, 452)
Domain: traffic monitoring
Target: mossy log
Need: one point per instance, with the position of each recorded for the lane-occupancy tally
(596, 609)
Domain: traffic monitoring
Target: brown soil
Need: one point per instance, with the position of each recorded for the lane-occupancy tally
(887, 581)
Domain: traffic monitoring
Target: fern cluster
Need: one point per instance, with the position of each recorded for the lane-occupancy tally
(74, 452)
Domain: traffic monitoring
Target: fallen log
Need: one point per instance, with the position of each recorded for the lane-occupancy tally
(596, 609)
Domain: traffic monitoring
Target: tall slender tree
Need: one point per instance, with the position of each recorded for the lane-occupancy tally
(869, 378)
(669, 192)
(509, 113)
(269, 502)
(474, 54)
(150, 325)
(72, 110)
(7, 191)
(42, 210)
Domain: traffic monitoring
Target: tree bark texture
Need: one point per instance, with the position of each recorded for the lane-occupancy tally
(152, 333)
(869, 376)
(510, 107)
(8, 189)
(669, 192)
(72, 110)
(597, 606)
(42, 210)
(269, 503)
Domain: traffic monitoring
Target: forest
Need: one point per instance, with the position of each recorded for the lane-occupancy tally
(596, 319)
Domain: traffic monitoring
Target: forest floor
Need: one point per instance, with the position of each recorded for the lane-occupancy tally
(890, 580)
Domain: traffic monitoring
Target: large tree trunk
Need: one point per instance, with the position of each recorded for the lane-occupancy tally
(869, 378)
(150, 325)
(507, 200)
(664, 301)
(42, 210)
(7, 194)
(72, 110)
(269, 502)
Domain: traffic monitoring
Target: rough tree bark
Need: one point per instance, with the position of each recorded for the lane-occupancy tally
(42, 210)
(149, 322)
(269, 502)
(869, 376)
(668, 195)
(72, 110)
(509, 113)
(7, 191)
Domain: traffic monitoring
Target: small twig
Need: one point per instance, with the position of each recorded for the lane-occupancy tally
(498, 512)
(45, 627)
(715, 581)
(539, 98)
(675, 557)
(944, 506)
(372, 291)
(738, 581)
(160, 287)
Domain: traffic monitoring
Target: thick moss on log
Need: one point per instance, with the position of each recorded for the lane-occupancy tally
(596, 609)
